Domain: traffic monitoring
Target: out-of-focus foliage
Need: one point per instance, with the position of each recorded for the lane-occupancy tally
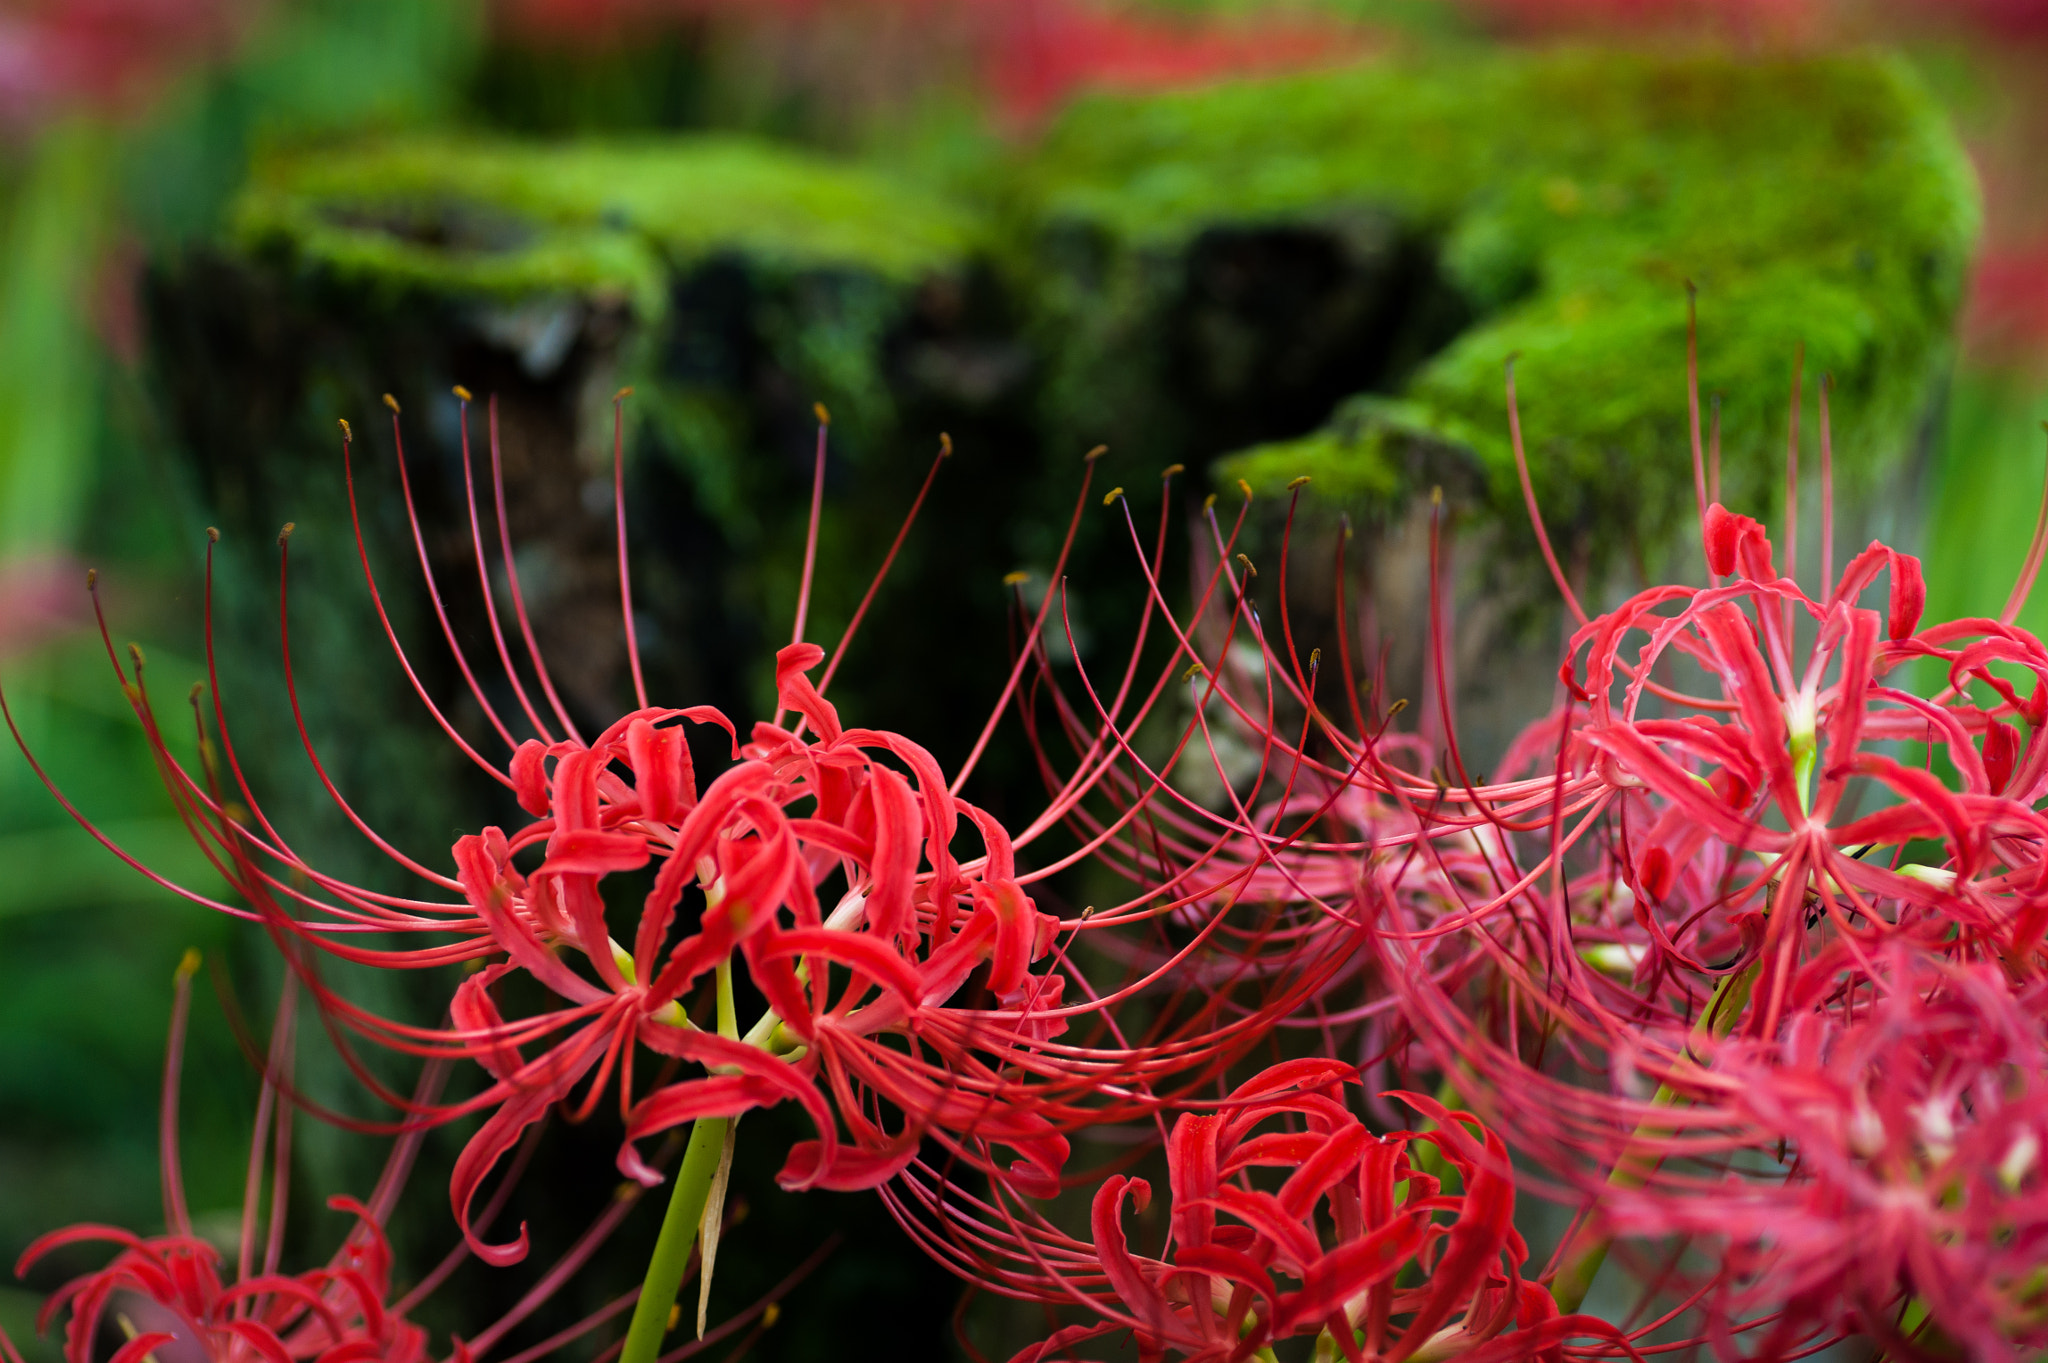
(117, 145)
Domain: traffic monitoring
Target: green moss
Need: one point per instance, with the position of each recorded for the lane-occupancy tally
(1372, 450)
(505, 218)
(1566, 197)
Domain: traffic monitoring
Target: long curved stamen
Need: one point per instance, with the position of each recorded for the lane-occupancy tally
(1714, 451)
(1090, 766)
(888, 561)
(625, 573)
(291, 686)
(1792, 465)
(1564, 588)
(1827, 490)
(266, 1099)
(803, 591)
(176, 1217)
(1002, 704)
(533, 653)
(384, 619)
(1286, 616)
(483, 571)
(1692, 410)
(2021, 589)
(419, 540)
(482, 1221)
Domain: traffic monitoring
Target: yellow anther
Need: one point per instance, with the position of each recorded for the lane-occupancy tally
(462, 393)
(623, 393)
(92, 577)
(1297, 482)
(212, 535)
(1193, 668)
(770, 1315)
(1436, 496)
(284, 536)
(1015, 579)
(1095, 454)
(188, 964)
(346, 433)
(135, 655)
(945, 445)
(1172, 469)
(1112, 495)
(1248, 565)
(824, 417)
(1209, 502)
(391, 402)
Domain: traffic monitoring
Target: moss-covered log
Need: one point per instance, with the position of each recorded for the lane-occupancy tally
(731, 282)
(1224, 264)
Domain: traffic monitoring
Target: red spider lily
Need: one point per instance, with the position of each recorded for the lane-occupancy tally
(1729, 818)
(1679, 864)
(1912, 1139)
(1725, 883)
(1627, 951)
(332, 1315)
(864, 1021)
(1289, 1219)
(177, 1300)
(907, 938)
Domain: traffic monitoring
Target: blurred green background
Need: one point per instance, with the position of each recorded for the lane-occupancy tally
(1257, 239)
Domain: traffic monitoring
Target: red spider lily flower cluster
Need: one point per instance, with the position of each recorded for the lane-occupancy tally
(1328, 1252)
(914, 993)
(912, 926)
(1706, 912)
(1918, 1128)
(1740, 952)
(331, 1314)
(174, 1298)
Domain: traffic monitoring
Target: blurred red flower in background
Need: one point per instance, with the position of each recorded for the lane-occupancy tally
(1025, 56)
(109, 55)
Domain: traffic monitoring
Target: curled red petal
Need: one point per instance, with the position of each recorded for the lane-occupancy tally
(793, 690)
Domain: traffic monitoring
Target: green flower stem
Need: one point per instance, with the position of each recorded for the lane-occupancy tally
(702, 1160)
(678, 1236)
(671, 1258)
(1588, 1248)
